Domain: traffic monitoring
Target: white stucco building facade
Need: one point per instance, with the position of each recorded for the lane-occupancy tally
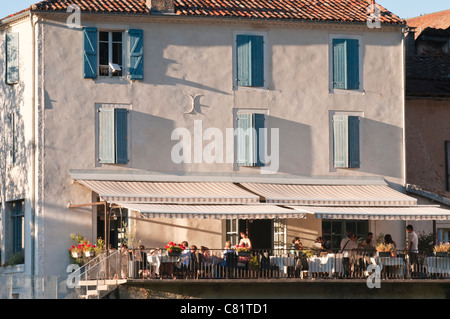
(189, 80)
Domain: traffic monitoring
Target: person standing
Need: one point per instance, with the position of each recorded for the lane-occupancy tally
(413, 248)
(245, 241)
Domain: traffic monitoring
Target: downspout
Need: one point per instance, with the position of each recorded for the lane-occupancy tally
(33, 184)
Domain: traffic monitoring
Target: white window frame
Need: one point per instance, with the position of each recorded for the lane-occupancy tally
(236, 87)
(110, 52)
(360, 38)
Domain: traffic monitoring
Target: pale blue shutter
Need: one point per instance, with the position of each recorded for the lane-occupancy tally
(352, 64)
(90, 44)
(257, 60)
(340, 141)
(106, 136)
(339, 64)
(136, 67)
(346, 64)
(250, 60)
(121, 136)
(12, 58)
(243, 64)
(353, 142)
(244, 139)
(259, 125)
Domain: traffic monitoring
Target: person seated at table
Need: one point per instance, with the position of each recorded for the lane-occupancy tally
(388, 241)
(227, 250)
(185, 255)
(319, 244)
(245, 240)
(296, 245)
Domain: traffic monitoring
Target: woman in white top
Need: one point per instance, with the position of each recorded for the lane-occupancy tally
(245, 241)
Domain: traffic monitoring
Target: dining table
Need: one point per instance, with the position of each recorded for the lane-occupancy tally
(437, 265)
(283, 262)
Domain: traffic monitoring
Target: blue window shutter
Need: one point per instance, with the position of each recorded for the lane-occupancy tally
(340, 141)
(243, 50)
(90, 44)
(12, 58)
(244, 139)
(136, 67)
(259, 142)
(257, 60)
(352, 64)
(339, 64)
(121, 136)
(106, 136)
(353, 142)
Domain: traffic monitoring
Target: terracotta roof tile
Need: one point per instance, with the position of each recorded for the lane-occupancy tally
(316, 10)
(437, 20)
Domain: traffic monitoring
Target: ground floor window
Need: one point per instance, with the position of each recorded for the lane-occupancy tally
(333, 231)
(443, 235)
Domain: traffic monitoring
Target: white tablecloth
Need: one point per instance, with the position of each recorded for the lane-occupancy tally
(282, 262)
(322, 264)
(157, 260)
(437, 265)
(397, 262)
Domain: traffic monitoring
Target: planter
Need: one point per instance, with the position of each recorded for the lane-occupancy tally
(384, 254)
(76, 255)
(441, 254)
(89, 253)
(175, 254)
(243, 253)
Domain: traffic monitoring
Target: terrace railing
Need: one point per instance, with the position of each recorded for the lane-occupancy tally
(303, 264)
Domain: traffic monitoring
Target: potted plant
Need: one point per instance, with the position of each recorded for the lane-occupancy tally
(441, 250)
(174, 249)
(242, 251)
(385, 250)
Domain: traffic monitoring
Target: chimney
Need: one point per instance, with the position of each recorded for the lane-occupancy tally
(160, 6)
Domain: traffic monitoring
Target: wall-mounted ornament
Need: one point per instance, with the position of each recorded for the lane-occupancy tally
(195, 99)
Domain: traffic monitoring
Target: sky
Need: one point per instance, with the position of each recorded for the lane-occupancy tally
(403, 8)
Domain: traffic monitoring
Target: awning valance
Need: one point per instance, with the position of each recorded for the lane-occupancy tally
(213, 211)
(170, 192)
(417, 213)
(331, 195)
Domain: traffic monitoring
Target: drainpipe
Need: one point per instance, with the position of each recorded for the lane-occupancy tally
(33, 184)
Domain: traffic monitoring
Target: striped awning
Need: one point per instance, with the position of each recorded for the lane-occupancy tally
(331, 195)
(170, 192)
(213, 211)
(417, 213)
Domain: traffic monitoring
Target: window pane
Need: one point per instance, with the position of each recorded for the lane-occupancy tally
(104, 53)
(117, 36)
(117, 53)
(104, 36)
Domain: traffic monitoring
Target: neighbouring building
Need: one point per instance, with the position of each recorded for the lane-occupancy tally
(194, 120)
(428, 112)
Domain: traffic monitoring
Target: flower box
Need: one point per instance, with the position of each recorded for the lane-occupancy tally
(441, 254)
(243, 253)
(384, 254)
(76, 254)
(89, 253)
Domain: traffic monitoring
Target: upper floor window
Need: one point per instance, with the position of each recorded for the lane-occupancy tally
(110, 53)
(12, 58)
(250, 139)
(112, 135)
(346, 64)
(250, 61)
(346, 149)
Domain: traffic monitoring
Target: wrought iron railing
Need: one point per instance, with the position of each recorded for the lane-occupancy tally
(303, 264)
